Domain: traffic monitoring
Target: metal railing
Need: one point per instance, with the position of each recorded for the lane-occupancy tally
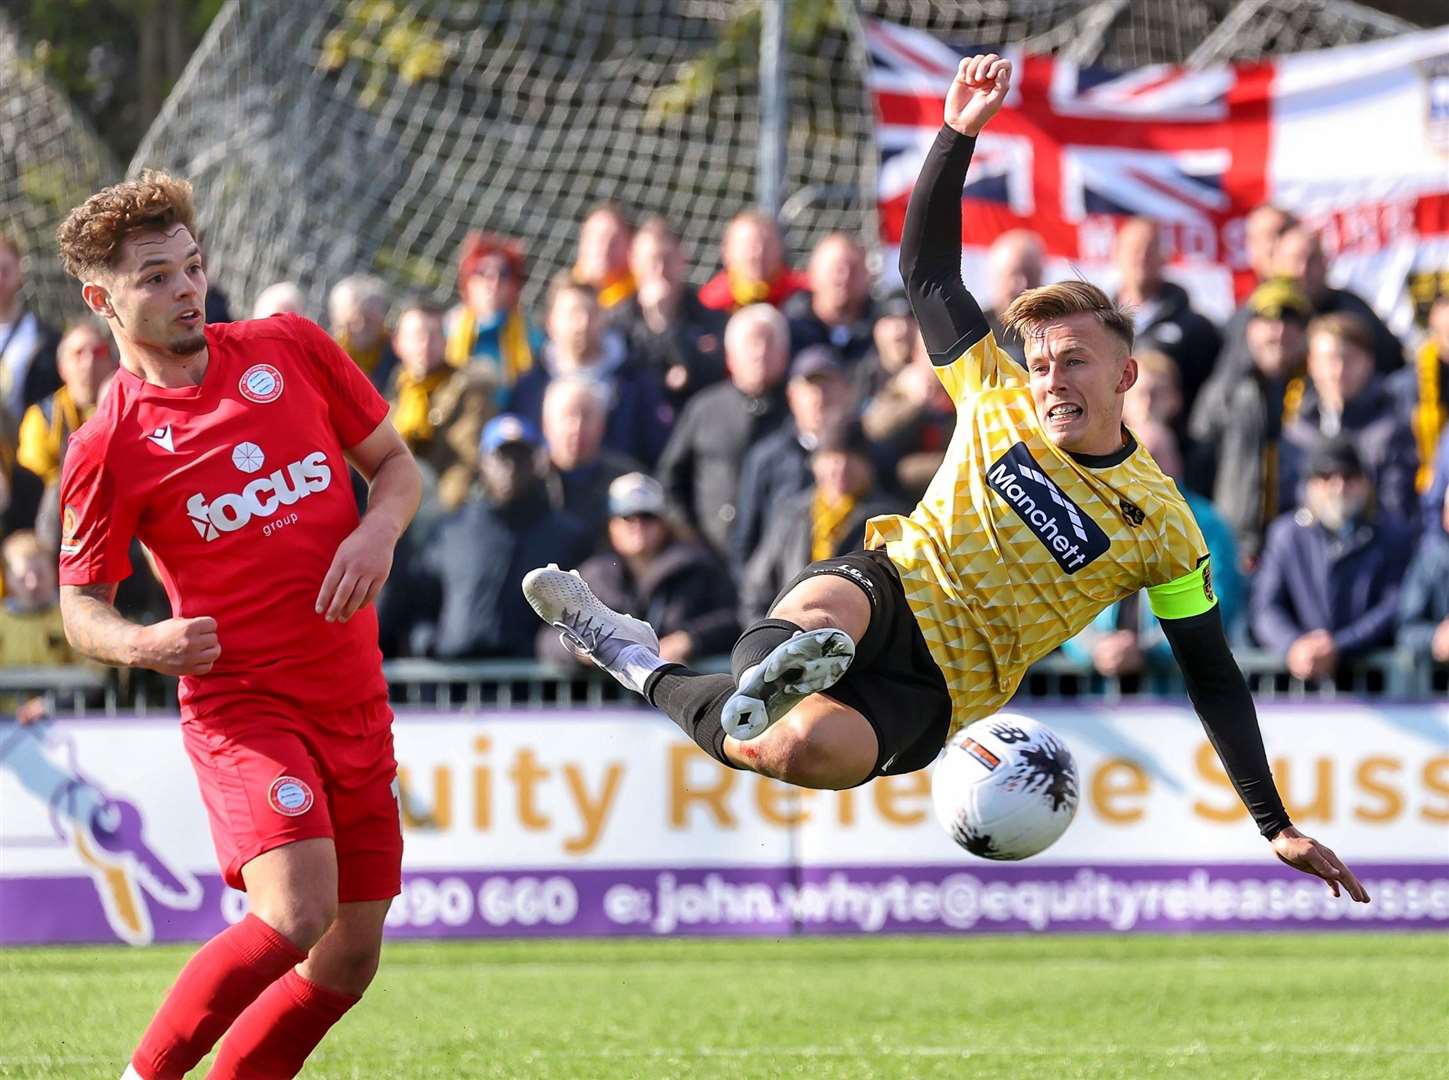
(1385, 674)
(514, 684)
(70, 690)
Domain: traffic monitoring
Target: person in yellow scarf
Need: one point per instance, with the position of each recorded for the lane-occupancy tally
(439, 410)
(754, 270)
(1422, 389)
(826, 520)
(602, 262)
(86, 362)
(488, 329)
(1238, 420)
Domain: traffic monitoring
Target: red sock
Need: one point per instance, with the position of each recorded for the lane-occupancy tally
(216, 984)
(273, 1037)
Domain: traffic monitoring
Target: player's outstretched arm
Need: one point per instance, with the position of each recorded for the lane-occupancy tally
(1223, 702)
(96, 629)
(977, 93)
(950, 319)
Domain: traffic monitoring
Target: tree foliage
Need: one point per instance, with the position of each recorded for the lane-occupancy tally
(116, 59)
(738, 52)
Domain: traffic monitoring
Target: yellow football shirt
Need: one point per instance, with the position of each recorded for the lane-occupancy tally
(1017, 545)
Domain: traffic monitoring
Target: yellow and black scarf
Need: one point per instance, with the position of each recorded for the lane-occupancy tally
(412, 408)
(366, 359)
(1428, 417)
(747, 290)
(515, 354)
(1292, 402)
(617, 288)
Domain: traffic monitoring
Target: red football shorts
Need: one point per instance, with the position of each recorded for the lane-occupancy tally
(271, 775)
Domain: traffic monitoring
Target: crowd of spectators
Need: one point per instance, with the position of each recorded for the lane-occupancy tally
(690, 450)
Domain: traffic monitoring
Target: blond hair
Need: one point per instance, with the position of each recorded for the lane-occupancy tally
(659, 228)
(20, 543)
(91, 235)
(1034, 308)
(612, 209)
(1157, 362)
(1345, 328)
(563, 283)
(752, 216)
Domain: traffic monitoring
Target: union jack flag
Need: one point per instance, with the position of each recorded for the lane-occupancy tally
(1075, 150)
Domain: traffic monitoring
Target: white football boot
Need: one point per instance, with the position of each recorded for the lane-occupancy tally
(626, 647)
(811, 661)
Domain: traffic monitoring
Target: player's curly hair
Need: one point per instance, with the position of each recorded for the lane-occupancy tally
(1033, 309)
(90, 237)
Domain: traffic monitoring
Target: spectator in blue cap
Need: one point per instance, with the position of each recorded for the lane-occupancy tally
(506, 429)
(469, 573)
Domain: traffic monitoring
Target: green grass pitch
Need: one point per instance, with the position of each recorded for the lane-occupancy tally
(1278, 1006)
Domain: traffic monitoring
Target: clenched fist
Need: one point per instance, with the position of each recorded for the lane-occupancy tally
(977, 92)
(177, 646)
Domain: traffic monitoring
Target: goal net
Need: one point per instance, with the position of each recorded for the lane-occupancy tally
(341, 136)
(50, 160)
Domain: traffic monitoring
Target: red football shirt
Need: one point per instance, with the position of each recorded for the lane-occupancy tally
(239, 489)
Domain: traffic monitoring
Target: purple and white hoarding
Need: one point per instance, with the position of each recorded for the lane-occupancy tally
(608, 822)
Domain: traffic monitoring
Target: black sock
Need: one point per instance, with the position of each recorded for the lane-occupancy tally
(758, 642)
(694, 702)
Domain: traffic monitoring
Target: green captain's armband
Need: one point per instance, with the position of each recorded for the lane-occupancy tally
(1184, 597)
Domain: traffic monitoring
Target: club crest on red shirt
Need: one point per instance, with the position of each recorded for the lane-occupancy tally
(261, 383)
(69, 527)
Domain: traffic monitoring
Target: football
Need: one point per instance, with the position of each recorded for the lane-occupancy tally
(1005, 787)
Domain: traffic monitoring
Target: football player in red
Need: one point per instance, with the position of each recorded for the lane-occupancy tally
(224, 449)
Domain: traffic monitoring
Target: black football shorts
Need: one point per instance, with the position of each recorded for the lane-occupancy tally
(893, 681)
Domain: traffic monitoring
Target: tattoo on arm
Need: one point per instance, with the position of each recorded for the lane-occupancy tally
(94, 626)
